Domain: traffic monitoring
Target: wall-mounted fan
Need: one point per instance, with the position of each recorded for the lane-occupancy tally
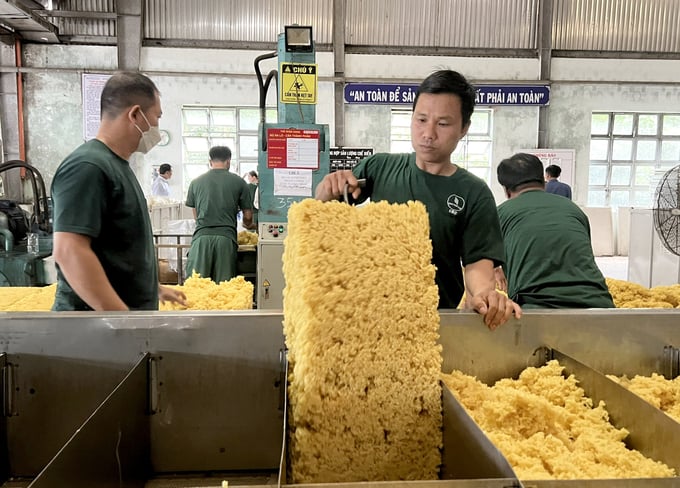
(667, 210)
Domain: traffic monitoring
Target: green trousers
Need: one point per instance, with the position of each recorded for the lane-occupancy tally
(213, 257)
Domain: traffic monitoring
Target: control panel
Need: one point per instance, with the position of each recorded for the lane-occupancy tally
(273, 231)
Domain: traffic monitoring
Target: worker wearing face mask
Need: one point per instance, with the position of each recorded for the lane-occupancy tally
(103, 243)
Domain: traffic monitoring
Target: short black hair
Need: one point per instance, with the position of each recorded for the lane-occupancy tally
(452, 82)
(553, 171)
(125, 89)
(521, 169)
(164, 168)
(253, 174)
(220, 153)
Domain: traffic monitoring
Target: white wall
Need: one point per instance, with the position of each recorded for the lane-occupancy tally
(212, 76)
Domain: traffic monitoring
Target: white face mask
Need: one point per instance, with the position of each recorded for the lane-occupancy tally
(149, 138)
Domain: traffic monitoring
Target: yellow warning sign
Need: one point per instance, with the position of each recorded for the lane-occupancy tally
(298, 83)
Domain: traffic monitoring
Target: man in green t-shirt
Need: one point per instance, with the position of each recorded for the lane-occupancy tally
(463, 221)
(549, 257)
(103, 243)
(216, 198)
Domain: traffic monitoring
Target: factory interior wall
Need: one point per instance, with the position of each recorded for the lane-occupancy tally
(53, 105)
(571, 107)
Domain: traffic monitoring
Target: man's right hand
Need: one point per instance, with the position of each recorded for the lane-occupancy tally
(333, 185)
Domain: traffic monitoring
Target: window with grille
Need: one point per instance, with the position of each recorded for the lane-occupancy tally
(473, 152)
(235, 127)
(629, 152)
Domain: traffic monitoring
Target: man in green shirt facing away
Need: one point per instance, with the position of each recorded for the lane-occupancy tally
(216, 198)
(549, 257)
(463, 221)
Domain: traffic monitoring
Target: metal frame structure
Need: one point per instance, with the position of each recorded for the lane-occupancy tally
(163, 399)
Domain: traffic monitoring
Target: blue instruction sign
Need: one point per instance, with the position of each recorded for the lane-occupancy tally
(380, 93)
(513, 94)
(405, 94)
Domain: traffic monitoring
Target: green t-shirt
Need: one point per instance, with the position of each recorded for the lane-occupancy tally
(217, 197)
(550, 261)
(96, 193)
(463, 220)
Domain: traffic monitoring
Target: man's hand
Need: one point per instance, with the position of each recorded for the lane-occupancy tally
(333, 185)
(495, 307)
(167, 294)
(480, 282)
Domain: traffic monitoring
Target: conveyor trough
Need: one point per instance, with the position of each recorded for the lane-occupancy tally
(153, 399)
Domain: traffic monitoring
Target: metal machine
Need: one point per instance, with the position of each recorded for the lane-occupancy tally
(162, 400)
(19, 265)
(293, 154)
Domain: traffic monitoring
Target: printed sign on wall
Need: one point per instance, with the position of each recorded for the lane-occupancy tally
(405, 94)
(293, 148)
(93, 84)
(564, 158)
(298, 83)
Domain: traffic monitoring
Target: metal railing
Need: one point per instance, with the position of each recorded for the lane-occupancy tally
(179, 246)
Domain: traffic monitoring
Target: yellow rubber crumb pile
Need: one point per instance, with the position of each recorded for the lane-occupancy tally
(246, 238)
(631, 295)
(361, 327)
(662, 393)
(547, 428)
(202, 294)
(27, 299)
(205, 294)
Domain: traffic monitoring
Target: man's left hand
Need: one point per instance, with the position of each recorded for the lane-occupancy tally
(495, 307)
(167, 294)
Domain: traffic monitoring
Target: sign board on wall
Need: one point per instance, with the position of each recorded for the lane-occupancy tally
(564, 158)
(92, 85)
(342, 158)
(293, 148)
(292, 154)
(298, 83)
(405, 94)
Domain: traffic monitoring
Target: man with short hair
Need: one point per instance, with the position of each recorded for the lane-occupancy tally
(161, 185)
(103, 242)
(553, 172)
(549, 256)
(462, 211)
(216, 198)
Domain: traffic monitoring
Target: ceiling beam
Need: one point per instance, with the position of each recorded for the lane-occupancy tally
(79, 14)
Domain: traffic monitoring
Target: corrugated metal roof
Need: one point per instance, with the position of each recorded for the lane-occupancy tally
(235, 20)
(617, 25)
(85, 26)
(497, 24)
(87, 5)
(637, 26)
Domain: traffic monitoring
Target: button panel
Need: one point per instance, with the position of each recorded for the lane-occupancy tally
(273, 231)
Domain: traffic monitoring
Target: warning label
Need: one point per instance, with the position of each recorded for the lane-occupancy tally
(298, 83)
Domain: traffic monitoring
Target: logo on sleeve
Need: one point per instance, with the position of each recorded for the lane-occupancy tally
(455, 203)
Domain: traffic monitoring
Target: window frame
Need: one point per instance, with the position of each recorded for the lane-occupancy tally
(608, 192)
(230, 135)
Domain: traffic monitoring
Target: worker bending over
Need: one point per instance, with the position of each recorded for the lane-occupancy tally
(548, 254)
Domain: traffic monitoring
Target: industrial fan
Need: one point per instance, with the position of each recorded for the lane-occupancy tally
(667, 210)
